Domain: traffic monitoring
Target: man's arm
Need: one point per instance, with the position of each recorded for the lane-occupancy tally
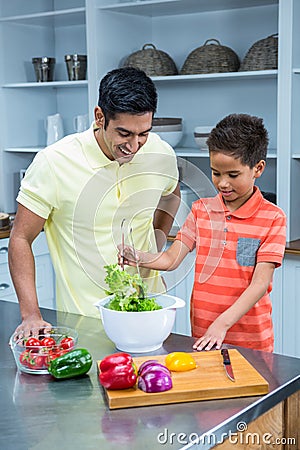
(164, 216)
(26, 227)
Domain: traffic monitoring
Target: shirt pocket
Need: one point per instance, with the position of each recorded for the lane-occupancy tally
(246, 251)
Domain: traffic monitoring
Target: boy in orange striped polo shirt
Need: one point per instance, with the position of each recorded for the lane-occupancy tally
(239, 238)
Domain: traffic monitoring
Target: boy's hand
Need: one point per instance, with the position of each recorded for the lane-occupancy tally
(127, 256)
(214, 336)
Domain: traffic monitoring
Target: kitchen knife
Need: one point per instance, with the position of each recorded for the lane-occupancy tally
(227, 364)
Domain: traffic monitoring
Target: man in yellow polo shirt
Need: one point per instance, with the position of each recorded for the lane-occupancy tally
(82, 187)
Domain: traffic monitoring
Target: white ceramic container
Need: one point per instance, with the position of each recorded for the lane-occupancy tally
(171, 137)
(200, 135)
(140, 332)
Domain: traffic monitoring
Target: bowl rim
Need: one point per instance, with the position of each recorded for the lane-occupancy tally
(18, 346)
(169, 132)
(203, 129)
(201, 135)
(16, 343)
(179, 303)
(166, 121)
(167, 128)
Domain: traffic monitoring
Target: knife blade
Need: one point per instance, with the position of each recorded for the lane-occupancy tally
(227, 364)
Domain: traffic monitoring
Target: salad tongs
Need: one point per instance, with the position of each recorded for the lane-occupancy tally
(141, 290)
(122, 244)
(139, 287)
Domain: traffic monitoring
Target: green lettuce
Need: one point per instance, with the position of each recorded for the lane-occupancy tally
(129, 291)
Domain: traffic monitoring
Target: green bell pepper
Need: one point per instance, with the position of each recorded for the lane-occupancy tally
(72, 364)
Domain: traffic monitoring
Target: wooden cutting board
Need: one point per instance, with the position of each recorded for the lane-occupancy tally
(208, 381)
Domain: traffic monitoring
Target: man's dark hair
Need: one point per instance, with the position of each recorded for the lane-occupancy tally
(241, 136)
(126, 90)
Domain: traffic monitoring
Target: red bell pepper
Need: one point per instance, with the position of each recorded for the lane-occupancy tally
(117, 371)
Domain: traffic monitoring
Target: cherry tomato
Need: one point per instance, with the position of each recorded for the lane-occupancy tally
(37, 361)
(53, 354)
(31, 359)
(33, 343)
(23, 358)
(48, 342)
(67, 343)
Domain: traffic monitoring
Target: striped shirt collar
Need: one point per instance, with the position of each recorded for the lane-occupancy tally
(248, 209)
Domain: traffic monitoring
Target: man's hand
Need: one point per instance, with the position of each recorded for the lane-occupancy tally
(29, 327)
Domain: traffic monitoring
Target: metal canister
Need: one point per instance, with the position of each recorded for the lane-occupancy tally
(43, 68)
(76, 66)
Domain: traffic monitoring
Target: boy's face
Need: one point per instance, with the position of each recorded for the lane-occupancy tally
(233, 179)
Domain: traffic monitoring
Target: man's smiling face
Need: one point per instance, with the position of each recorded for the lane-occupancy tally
(124, 135)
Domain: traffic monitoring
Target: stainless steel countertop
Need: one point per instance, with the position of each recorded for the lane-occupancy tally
(38, 412)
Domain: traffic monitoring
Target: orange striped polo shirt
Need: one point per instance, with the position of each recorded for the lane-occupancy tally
(228, 246)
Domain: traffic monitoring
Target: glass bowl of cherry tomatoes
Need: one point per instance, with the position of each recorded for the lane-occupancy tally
(34, 353)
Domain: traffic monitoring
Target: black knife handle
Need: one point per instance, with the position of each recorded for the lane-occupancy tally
(225, 354)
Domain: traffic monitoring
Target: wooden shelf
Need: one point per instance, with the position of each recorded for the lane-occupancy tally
(4, 234)
(293, 247)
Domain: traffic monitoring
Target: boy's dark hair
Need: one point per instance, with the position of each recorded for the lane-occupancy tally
(126, 90)
(241, 136)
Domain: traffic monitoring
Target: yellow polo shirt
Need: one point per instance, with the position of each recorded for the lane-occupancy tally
(84, 197)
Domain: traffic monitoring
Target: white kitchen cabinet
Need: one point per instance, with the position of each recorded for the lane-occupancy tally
(179, 282)
(6, 286)
(290, 306)
(45, 280)
(276, 299)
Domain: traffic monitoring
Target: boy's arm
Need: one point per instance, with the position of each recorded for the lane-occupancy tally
(216, 332)
(167, 260)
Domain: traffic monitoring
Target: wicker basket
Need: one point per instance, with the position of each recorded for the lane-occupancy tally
(263, 55)
(152, 61)
(211, 57)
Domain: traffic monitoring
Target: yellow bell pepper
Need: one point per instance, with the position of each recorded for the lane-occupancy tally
(180, 362)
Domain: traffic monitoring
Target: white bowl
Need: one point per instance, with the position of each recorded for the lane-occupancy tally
(162, 121)
(204, 129)
(200, 135)
(171, 137)
(176, 127)
(140, 332)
